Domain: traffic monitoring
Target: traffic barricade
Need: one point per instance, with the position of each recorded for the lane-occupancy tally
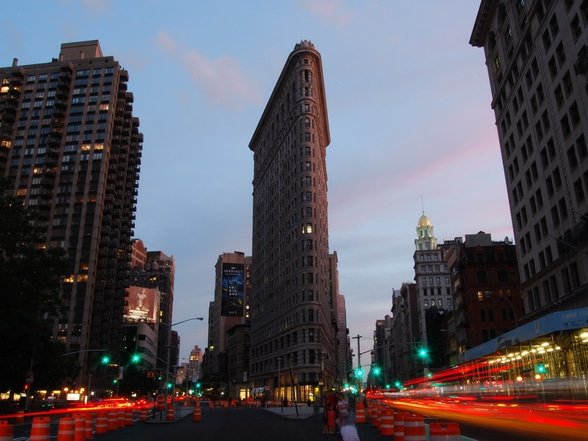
(129, 418)
(160, 402)
(112, 421)
(40, 429)
(398, 426)
(414, 428)
(6, 431)
(170, 415)
(89, 432)
(80, 428)
(101, 423)
(121, 419)
(386, 426)
(444, 432)
(373, 412)
(197, 416)
(65, 431)
(359, 412)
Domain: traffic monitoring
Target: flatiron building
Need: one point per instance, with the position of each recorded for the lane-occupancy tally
(293, 312)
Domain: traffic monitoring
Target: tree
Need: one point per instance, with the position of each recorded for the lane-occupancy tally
(30, 277)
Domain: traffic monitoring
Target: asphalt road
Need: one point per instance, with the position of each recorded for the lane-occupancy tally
(253, 424)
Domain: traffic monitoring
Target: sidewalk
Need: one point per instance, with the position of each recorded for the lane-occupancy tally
(159, 417)
(295, 412)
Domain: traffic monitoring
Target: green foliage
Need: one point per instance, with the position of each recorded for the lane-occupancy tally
(30, 278)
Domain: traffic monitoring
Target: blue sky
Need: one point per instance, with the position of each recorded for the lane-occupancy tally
(409, 114)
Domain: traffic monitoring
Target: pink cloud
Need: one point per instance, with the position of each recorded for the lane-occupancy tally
(332, 11)
(221, 80)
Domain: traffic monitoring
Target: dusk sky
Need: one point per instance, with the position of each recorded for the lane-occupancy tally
(408, 101)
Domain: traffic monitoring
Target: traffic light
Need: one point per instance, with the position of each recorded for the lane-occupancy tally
(198, 385)
(135, 358)
(105, 359)
(377, 370)
(423, 353)
(540, 368)
(169, 385)
(359, 373)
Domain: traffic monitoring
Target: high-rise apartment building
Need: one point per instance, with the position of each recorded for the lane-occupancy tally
(71, 148)
(537, 58)
(292, 319)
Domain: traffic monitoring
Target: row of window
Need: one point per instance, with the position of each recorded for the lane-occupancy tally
(437, 302)
(436, 291)
(96, 72)
(437, 281)
(295, 358)
(434, 269)
(568, 277)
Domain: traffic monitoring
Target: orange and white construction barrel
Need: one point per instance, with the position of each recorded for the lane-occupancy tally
(40, 429)
(414, 428)
(112, 421)
(170, 415)
(386, 426)
(65, 431)
(6, 431)
(359, 412)
(197, 416)
(89, 432)
(79, 428)
(101, 423)
(398, 426)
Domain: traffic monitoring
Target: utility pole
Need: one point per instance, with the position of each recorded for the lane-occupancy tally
(359, 374)
(358, 337)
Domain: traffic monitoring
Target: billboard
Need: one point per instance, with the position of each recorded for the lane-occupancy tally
(142, 304)
(233, 289)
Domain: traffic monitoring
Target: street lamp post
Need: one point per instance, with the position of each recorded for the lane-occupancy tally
(169, 353)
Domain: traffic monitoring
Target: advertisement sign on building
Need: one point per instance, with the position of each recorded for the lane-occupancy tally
(142, 304)
(233, 290)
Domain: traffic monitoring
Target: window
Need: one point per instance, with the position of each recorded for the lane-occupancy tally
(546, 40)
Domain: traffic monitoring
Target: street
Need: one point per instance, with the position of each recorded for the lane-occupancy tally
(277, 423)
(255, 424)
